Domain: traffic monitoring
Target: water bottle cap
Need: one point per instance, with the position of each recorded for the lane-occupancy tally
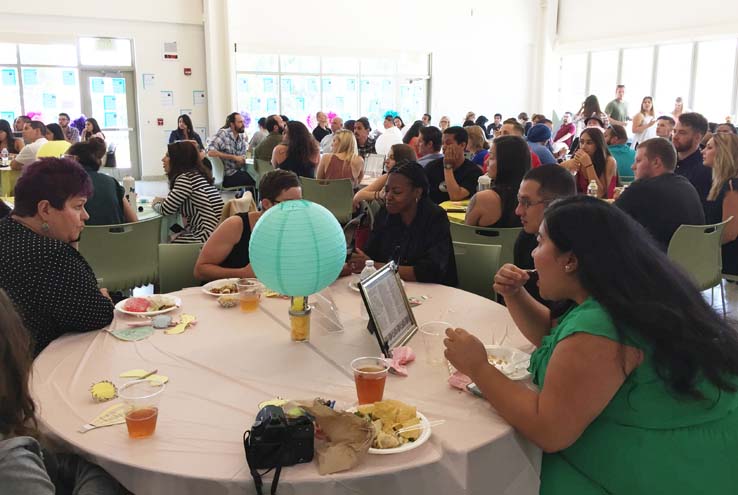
(369, 263)
(484, 179)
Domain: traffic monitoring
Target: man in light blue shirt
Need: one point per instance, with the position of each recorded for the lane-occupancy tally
(538, 138)
(429, 145)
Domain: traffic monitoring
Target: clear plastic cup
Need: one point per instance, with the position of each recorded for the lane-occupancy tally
(141, 398)
(249, 294)
(370, 375)
(433, 334)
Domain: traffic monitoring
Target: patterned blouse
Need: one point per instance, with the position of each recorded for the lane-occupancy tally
(198, 201)
(51, 285)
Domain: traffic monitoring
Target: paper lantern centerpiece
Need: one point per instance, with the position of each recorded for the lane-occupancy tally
(297, 248)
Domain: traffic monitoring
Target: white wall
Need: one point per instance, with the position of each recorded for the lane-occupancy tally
(149, 24)
(470, 70)
(604, 23)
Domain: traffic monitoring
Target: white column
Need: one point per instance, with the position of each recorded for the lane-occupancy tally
(220, 66)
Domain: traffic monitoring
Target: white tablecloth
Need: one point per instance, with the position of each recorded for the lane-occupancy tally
(221, 369)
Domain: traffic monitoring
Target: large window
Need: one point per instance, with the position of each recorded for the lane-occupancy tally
(665, 72)
(300, 86)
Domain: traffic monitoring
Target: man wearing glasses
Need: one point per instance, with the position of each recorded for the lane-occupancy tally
(539, 187)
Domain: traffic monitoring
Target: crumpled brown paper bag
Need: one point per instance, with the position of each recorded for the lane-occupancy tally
(349, 438)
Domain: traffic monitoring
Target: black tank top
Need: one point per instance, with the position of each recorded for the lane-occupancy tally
(301, 169)
(239, 256)
(509, 200)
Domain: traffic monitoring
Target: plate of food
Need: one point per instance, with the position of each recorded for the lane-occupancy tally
(512, 362)
(389, 416)
(148, 305)
(220, 287)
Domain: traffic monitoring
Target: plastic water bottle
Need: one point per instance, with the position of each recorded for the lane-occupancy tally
(592, 189)
(484, 182)
(368, 271)
(4, 156)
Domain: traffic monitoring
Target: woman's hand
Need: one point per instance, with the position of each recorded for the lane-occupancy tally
(509, 279)
(157, 200)
(465, 352)
(583, 158)
(358, 261)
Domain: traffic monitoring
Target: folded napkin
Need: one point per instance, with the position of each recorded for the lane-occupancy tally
(400, 357)
(459, 380)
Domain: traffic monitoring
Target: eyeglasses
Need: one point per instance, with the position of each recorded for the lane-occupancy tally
(525, 203)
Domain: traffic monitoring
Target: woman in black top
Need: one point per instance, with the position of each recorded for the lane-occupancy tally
(410, 230)
(721, 154)
(509, 161)
(107, 205)
(50, 283)
(298, 152)
(185, 131)
(226, 252)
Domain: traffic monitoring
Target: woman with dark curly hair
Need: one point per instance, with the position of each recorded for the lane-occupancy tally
(636, 382)
(298, 151)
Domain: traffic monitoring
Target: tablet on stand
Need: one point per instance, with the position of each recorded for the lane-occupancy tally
(391, 319)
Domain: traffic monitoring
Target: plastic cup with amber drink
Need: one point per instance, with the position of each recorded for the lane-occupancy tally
(370, 374)
(299, 319)
(141, 399)
(249, 293)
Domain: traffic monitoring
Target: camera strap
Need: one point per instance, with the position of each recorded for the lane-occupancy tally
(258, 483)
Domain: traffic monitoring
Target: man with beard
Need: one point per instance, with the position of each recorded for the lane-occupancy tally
(229, 144)
(275, 127)
(688, 134)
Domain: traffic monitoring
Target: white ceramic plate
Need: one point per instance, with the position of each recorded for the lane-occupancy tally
(121, 304)
(511, 356)
(207, 288)
(424, 436)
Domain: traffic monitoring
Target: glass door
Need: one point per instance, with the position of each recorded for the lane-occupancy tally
(108, 97)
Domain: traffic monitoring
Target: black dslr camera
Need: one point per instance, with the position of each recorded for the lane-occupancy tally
(275, 441)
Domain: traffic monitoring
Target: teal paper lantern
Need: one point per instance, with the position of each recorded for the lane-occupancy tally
(297, 248)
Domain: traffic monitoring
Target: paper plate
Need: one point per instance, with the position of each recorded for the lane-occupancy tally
(511, 355)
(121, 305)
(207, 288)
(424, 436)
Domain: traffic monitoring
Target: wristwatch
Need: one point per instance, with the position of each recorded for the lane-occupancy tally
(447, 166)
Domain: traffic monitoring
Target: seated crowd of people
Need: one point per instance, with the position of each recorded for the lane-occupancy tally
(637, 366)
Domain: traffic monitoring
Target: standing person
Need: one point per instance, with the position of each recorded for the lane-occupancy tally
(34, 134)
(7, 140)
(721, 154)
(344, 162)
(678, 108)
(71, 133)
(590, 108)
(616, 138)
(326, 145)
(226, 252)
(321, 130)
(298, 151)
(617, 109)
(426, 119)
(259, 135)
(229, 144)
(275, 126)
(633, 381)
(644, 122)
(688, 134)
(659, 199)
(191, 193)
(23, 460)
(185, 132)
(92, 129)
(593, 162)
(453, 177)
(52, 286)
(365, 144)
(509, 161)
(107, 205)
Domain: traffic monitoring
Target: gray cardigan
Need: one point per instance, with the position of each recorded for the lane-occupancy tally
(22, 469)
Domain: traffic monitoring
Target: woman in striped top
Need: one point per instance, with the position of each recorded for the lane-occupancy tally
(191, 193)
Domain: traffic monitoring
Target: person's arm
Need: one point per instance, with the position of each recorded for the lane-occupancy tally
(372, 191)
(357, 169)
(531, 317)
(170, 205)
(563, 138)
(586, 167)
(22, 469)
(26, 155)
(216, 250)
(638, 125)
(609, 109)
(730, 209)
(214, 151)
(279, 153)
(455, 191)
(583, 375)
(129, 213)
(484, 204)
(324, 160)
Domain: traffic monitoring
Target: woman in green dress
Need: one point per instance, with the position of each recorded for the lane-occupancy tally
(637, 382)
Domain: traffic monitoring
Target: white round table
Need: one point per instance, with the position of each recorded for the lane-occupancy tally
(222, 368)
